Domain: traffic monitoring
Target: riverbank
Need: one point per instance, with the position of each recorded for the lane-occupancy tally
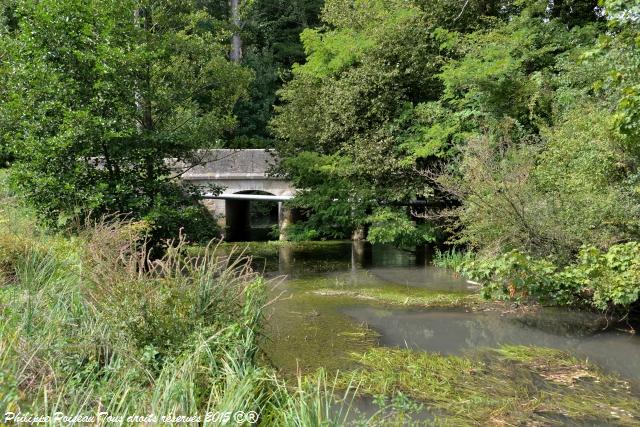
(91, 325)
(342, 312)
(349, 338)
(94, 331)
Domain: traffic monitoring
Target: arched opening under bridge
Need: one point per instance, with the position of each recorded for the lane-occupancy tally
(252, 219)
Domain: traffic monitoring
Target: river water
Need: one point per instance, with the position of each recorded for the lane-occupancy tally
(324, 311)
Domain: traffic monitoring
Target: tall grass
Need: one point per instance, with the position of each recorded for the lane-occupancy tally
(452, 259)
(92, 324)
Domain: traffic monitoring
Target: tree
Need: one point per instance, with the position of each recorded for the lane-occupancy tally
(103, 92)
(7, 27)
(621, 50)
(236, 41)
(271, 38)
(544, 171)
(363, 111)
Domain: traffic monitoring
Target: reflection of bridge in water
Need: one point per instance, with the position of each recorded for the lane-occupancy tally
(244, 177)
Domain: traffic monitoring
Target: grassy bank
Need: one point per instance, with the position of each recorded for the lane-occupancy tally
(91, 325)
(408, 297)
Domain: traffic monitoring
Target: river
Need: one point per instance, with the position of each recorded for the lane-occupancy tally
(336, 299)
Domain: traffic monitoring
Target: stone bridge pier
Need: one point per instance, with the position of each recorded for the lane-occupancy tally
(243, 176)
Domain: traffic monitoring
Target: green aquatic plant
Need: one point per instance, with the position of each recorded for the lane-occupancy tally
(507, 385)
(305, 332)
(453, 259)
(407, 297)
(313, 400)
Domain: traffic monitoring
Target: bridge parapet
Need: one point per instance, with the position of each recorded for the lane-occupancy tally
(227, 163)
(240, 173)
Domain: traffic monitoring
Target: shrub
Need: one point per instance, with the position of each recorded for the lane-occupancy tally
(517, 276)
(177, 211)
(452, 259)
(603, 280)
(159, 303)
(93, 322)
(613, 277)
(548, 194)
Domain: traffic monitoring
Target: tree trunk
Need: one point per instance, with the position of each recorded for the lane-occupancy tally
(142, 18)
(236, 41)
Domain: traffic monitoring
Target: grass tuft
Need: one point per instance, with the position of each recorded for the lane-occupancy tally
(452, 259)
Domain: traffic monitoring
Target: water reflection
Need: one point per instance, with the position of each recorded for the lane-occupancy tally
(319, 330)
(456, 332)
(355, 264)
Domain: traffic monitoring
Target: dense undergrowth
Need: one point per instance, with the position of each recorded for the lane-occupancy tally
(603, 280)
(607, 281)
(92, 325)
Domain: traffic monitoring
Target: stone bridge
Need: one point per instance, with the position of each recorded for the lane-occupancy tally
(244, 177)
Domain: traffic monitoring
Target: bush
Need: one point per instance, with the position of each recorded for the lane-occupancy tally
(94, 323)
(550, 196)
(175, 213)
(602, 280)
(613, 277)
(520, 277)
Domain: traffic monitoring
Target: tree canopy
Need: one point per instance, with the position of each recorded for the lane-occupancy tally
(507, 126)
(100, 94)
(393, 95)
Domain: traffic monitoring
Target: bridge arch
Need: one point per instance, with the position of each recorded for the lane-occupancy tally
(244, 177)
(251, 218)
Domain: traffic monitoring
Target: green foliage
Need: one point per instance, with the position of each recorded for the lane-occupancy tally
(363, 103)
(255, 111)
(604, 280)
(549, 187)
(330, 198)
(574, 189)
(453, 259)
(509, 71)
(99, 99)
(90, 324)
(7, 46)
(613, 276)
(271, 46)
(174, 213)
(546, 167)
(387, 226)
(517, 276)
(620, 48)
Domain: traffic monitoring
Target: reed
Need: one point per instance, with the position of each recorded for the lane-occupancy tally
(452, 258)
(93, 324)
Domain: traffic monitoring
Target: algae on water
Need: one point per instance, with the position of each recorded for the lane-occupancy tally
(508, 385)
